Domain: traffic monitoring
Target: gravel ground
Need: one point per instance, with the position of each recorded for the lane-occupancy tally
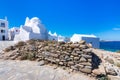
(30, 70)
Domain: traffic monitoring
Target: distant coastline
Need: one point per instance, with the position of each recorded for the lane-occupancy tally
(110, 45)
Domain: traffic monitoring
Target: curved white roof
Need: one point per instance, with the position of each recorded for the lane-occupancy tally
(83, 35)
(54, 34)
(78, 37)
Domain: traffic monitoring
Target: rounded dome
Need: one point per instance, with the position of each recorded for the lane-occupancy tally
(35, 20)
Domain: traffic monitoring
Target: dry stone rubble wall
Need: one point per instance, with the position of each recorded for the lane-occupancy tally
(75, 56)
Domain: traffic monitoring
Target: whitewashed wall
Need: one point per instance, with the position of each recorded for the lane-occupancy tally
(94, 41)
(4, 28)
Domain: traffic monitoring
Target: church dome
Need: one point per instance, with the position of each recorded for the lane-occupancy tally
(34, 29)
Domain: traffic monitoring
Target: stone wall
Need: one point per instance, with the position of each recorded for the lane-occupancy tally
(75, 56)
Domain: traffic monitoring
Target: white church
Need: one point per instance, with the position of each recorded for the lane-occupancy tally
(34, 29)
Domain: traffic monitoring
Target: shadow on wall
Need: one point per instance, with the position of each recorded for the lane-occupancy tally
(95, 61)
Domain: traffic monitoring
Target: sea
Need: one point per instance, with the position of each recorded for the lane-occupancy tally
(110, 45)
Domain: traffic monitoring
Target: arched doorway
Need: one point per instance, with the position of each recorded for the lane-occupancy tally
(3, 37)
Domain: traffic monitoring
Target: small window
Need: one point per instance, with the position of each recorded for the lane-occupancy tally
(2, 31)
(2, 24)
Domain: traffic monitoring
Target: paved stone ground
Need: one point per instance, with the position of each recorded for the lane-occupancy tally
(30, 70)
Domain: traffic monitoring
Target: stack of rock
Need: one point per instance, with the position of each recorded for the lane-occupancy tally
(76, 56)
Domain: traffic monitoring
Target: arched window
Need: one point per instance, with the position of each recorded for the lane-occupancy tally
(3, 37)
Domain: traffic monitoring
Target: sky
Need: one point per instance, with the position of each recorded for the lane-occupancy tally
(66, 17)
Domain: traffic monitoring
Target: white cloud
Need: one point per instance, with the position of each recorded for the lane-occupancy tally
(116, 29)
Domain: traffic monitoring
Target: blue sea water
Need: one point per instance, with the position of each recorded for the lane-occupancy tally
(110, 45)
